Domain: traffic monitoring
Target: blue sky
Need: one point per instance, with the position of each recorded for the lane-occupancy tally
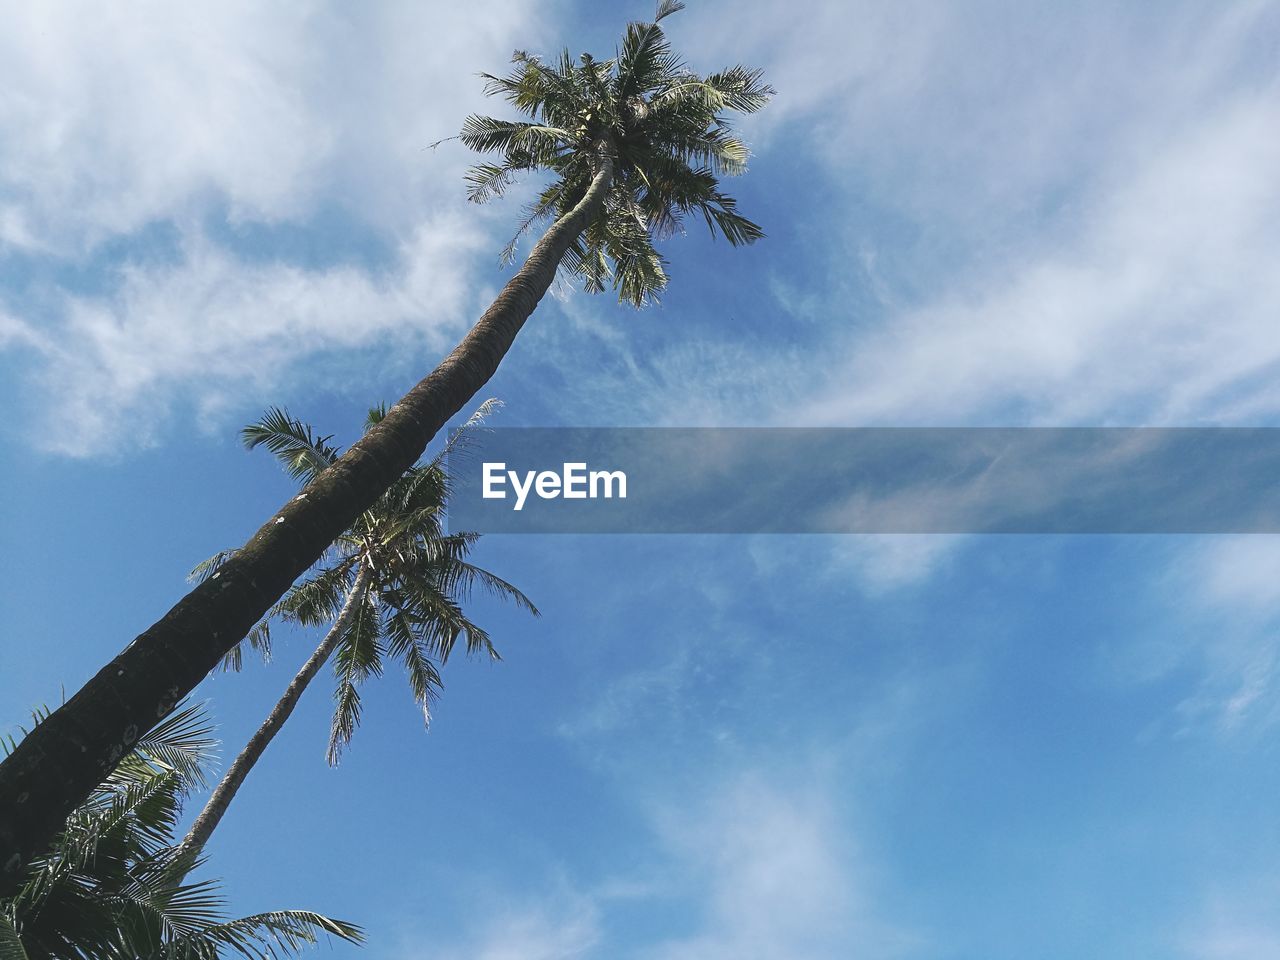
(746, 747)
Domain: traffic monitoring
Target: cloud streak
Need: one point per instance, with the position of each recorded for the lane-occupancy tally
(779, 878)
(153, 151)
(214, 324)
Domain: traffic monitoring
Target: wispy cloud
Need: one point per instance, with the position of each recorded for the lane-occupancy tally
(1012, 217)
(758, 870)
(780, 875)
(1240, 575)
(882, 563)
(137, 148)
(1235, 923)
(1075, 225)
(1231, 583)
(1212, 637)
(116, 118)
(1162, 309)
(212, 324)
(563, 928)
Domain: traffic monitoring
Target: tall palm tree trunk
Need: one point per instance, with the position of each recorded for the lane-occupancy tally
(56, 765)
(229, 785)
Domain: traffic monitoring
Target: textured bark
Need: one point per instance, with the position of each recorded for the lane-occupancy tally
(56, 766)
(227, 787)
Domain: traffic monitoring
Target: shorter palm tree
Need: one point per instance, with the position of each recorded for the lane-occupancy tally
(113, 888)
(390, 586)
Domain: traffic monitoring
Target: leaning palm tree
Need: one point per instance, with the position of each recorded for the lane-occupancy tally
(635, 143)
(392, 586)
(112, 886)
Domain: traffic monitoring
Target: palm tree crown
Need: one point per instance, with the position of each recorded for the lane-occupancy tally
(416, 576)
(663, 129)
(113, 885)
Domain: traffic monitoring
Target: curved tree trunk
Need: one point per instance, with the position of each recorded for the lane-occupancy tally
(56, 766)
(225, 792)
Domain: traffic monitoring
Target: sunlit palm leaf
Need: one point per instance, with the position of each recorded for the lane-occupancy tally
(665, 129)
(112, 886)
(300, 451)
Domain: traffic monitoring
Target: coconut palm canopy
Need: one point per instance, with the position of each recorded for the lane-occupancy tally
(392, 585)
(418, 575)
(113, 886)
(665, 129)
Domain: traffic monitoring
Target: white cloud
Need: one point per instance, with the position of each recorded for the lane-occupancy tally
(1240, 575)
(116, 121)
(763, 870)
(1237, 943)
(15, 332)
(876, 563)
(780, 876)
(1091, 194)
(1064, 215)
(882, 563)
(1231, 582)
(563, 929)
(1235, 924)
(982, 111)
(1163, 310)
(116, 117)
(1214, 637)
(213, 323)
(626, 697)
(1019, 215)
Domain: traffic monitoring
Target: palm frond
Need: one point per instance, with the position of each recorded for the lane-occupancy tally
(467, 577)
(205, 569)
(113, 887)
(358, 657)
(346, 717)
(184, 742)
(403, 642)
(375, 416)
(742, 88)
(489, 134)
(265, 935)
(645, 57)
(721, 214)
(537, 89)
(11, 947)
(316, 600)
(461, 438)
(300, 451)
(259, 639)
(666, 8)
(488, 180)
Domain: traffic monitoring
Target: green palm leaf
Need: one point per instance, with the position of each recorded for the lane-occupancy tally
(664, 128)
(10, 944)
(303, 454)
(112, 885)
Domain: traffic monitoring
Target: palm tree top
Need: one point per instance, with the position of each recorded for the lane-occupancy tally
(113, 885)
(418, 575)
(661, 126)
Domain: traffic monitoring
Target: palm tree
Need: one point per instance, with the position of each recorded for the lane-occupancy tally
(388, 587)
(112, 885)
(635, 143)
